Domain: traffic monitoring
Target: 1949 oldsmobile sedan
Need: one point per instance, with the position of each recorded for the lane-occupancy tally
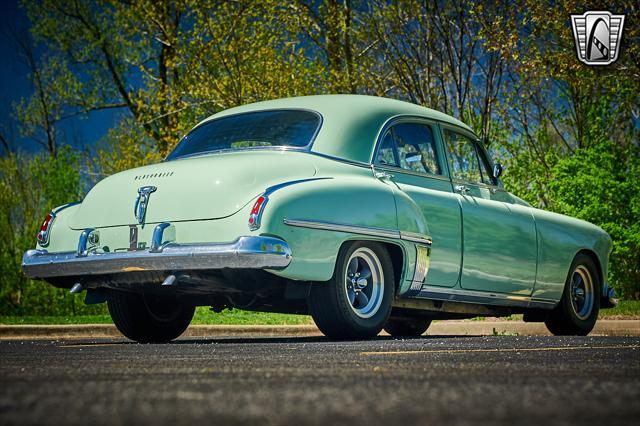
(366, 213)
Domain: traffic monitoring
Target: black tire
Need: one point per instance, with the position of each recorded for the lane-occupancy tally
(149, 318)
(330, 305)
(564, 319)
(408, 327)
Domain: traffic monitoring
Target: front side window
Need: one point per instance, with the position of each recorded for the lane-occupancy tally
(278, 128)
(487, 171)
(463, 159)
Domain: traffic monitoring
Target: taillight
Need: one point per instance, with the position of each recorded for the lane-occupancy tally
(43, 234)
(256, 212)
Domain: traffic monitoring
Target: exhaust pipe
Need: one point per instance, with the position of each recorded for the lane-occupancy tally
(77, 288)
(170, 280)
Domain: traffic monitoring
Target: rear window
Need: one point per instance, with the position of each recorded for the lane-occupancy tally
(281, 128)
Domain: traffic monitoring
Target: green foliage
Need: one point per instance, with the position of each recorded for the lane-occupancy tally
(568, 133)
(30, 186)
(600, 184)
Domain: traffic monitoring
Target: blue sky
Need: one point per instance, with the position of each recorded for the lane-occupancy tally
(81, 131)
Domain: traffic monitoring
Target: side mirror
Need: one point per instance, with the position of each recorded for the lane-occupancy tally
(497, 170)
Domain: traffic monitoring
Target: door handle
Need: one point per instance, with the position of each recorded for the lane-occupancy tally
(461, 189)
(382, 175)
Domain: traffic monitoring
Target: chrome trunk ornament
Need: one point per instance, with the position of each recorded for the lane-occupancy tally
(140, 208)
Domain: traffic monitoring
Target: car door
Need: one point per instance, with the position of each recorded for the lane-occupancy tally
(499, 237)
(410, 152)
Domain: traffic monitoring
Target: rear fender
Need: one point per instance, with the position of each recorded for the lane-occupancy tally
(355, 200)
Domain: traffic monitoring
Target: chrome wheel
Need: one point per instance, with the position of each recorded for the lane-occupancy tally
(364, 282)
(582, 294)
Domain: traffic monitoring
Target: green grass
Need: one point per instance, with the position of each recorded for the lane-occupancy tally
(203, 316)
(626, 309)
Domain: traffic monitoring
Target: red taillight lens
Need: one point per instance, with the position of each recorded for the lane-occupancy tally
(256, 212)
(46, 223)
(43, 234)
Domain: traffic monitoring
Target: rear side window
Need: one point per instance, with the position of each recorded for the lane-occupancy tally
(410, 146)
(463, 158)
(280, 128)
(416, 148)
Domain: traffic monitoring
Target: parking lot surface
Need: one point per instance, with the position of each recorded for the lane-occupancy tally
(312, 381)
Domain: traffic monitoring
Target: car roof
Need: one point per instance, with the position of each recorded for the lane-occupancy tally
(351, 123)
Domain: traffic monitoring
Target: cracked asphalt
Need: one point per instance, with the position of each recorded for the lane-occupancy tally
(311, 381)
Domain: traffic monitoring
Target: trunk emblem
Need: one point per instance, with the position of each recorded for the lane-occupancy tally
(140, 208)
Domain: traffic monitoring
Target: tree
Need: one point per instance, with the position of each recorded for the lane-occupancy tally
(503, 67)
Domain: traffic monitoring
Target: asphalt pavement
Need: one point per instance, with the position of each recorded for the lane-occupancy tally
(491, 380)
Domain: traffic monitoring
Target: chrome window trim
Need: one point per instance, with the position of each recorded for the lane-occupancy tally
(360, 230)
(340, 159)
(414, 119)
(397, 170)
(306, 148)
(486, 298)
(230, 150)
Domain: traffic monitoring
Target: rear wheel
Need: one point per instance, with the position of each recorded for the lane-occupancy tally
(149, 318)
(409, 327)
(577, 311)
(356, 302)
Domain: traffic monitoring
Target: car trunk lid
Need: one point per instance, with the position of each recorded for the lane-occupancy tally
(200, 188)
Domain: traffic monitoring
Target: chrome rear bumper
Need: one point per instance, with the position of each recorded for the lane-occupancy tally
(244, 253)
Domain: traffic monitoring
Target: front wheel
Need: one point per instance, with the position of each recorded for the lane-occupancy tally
(149, 318)
(356, 302)
(577, 311)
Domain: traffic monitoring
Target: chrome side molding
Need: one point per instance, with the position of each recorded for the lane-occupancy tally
(360, 230)
(339, 227)
(423, 257)
(416, 238)
(483, 298)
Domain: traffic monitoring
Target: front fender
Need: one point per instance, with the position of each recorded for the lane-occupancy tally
(560, 238)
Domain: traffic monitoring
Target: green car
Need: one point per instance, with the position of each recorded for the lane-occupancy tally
(366, 213)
